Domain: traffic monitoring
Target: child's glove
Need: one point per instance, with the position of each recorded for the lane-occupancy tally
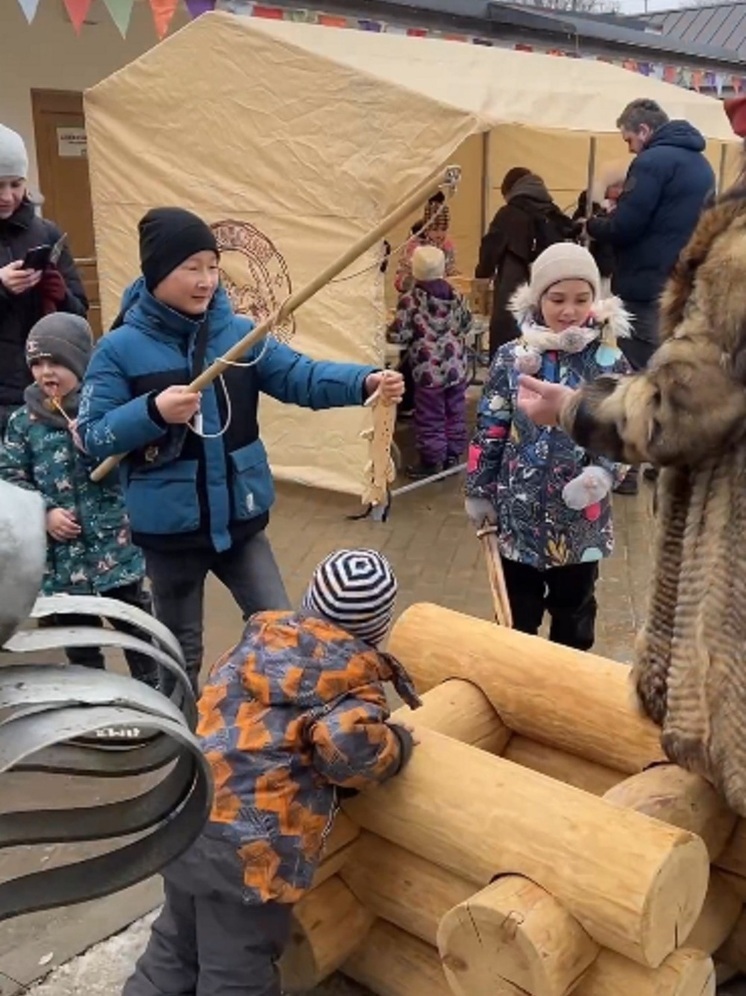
(591, 486)
(480, 512)
(407, 743)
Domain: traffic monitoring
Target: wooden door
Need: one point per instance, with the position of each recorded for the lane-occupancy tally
(59, 128)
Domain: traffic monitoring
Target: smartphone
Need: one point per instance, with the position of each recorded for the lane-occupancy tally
(37, 258)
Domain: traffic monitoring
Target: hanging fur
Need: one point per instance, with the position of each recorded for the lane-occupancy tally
(687, 414)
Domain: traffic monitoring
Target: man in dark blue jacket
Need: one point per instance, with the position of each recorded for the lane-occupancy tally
(666, 188)
(197, 483)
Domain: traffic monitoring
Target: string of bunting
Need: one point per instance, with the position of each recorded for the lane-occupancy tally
(163, 12)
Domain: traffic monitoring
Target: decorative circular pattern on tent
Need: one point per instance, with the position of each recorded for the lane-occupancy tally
(253, 272)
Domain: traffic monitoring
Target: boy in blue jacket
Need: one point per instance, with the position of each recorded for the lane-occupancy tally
(291, 715)
(198, 489)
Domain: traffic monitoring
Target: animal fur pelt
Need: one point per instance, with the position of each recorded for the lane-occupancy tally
(687, 414)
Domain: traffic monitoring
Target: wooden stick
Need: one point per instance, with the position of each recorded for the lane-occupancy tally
(443, 178)
(496, 575)
(57, 404)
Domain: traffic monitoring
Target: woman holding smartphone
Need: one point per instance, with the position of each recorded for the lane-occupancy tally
(32, 282)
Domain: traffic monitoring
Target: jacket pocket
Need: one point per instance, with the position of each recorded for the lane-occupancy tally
(252, 487)
(164, 500)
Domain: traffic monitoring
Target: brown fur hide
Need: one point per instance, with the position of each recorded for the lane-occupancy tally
(687, 414)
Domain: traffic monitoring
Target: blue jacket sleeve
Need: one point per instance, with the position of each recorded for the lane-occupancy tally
(295, 379)
(642, 193)
(110, 419)
(354, 746)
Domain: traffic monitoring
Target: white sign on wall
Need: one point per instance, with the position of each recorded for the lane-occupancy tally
(71, 143)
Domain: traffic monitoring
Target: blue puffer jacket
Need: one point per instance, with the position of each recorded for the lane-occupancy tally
(666, 188)
(182, 489)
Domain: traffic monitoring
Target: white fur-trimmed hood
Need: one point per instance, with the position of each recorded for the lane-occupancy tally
(608, 315)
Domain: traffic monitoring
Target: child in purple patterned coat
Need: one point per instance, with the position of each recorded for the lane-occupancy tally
(432, 320)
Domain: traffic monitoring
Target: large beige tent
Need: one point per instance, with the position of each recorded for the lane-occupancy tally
(299, 139)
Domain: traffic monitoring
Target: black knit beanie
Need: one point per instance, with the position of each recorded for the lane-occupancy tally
(168, 236)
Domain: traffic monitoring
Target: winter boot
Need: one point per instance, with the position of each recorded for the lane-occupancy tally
(419, 471)
(631, 483)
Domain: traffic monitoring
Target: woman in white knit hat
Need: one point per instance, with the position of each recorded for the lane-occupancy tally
(548, 498)
(26, 294)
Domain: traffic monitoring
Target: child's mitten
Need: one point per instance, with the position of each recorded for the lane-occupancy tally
(591, 486)
(480, 512)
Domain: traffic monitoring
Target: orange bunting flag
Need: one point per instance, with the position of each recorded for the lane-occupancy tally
(163, 13)
(77, 11)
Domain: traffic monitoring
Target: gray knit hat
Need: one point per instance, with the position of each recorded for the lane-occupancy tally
(13, 155)
(356, 589)
(62, 338)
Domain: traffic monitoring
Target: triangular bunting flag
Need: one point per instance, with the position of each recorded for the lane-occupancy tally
(29, 8)
(77, 11)
(121, 12)
(163, 12)
(197, 7)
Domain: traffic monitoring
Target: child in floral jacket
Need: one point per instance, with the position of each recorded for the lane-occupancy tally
(549, 499)
(89, 550)
(432, 320)
(291, 716)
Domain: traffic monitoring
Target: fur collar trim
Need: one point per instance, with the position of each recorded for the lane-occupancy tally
(608, 317)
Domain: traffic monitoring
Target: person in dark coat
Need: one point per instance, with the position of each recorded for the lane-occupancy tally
(509, 247)
(606, 191)
(26, 295)
(666, 188)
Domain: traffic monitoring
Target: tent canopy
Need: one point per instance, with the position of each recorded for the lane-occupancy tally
(296, 139)
(502, 86)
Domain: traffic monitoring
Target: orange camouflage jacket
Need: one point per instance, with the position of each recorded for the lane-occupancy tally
(294, 712)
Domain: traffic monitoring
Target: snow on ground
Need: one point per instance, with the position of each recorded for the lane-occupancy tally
(103, 970)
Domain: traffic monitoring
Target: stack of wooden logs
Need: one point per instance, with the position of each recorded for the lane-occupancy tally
(537, 843)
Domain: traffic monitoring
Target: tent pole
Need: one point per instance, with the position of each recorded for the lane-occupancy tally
(486, 179)
(590, 179)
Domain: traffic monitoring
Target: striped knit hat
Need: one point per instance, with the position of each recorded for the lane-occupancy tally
(356, 589)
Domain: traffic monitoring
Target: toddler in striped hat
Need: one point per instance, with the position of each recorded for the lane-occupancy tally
(291, 718)
(356, 589)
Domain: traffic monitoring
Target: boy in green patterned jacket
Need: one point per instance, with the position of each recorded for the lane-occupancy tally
(89, 549)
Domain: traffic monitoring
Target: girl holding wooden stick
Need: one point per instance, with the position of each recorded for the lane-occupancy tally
(197, 482)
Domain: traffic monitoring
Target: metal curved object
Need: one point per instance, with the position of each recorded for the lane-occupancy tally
(81, 722)
(51, 638)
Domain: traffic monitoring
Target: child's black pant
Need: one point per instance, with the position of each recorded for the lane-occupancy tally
(141, 666)
(566, 593)
(204, 946)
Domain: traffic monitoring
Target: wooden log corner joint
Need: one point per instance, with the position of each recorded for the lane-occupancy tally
(537, 843)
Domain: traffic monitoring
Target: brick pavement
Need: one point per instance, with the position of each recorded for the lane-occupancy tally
(436, 556)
